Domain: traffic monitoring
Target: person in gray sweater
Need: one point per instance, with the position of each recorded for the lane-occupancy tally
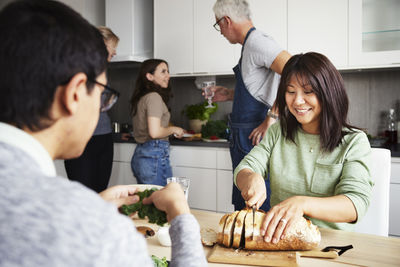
(52, 77)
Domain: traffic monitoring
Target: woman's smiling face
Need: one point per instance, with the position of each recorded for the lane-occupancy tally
(161, 75)
(303, 103)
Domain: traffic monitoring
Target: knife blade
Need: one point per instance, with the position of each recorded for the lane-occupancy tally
(254, 214)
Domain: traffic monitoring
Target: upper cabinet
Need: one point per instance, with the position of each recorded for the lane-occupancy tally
(374, 32)
(353, 34)
(319, 26)
(192, 46)
(173, 35)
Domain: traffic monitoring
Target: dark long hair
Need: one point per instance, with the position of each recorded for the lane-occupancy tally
(316, 70)
(144, 86)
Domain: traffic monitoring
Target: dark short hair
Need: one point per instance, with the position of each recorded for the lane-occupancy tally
(43, 45)
(144, 86)
(317, 71)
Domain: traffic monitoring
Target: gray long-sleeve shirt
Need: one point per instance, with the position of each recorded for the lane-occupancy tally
(50, 221)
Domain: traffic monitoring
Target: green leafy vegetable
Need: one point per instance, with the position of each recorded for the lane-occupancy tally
(155, 215)
(214, 128)
(199, 111)
(159, 262)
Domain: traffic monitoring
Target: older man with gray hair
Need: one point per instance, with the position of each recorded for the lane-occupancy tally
(257, 77)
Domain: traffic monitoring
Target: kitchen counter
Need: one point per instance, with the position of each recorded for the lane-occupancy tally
(176, 142)
(369, 250)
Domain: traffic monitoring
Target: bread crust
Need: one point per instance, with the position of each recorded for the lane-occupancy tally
(221, 226)
(239, 224)
(228, 229)
(303, 235)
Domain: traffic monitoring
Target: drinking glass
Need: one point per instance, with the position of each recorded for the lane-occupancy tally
(183, 181)
(208, 92)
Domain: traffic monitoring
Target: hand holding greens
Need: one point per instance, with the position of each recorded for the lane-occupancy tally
(153, 214)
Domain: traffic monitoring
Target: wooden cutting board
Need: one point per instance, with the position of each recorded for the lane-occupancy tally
(264, 258)
(247, 257)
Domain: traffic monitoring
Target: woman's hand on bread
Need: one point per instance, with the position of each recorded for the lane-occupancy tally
(170, 199)
(252, 187)
(120, 195)
(280, 218)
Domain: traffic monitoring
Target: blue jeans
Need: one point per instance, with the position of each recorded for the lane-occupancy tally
(150, 162)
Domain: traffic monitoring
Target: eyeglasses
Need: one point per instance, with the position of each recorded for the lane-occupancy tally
(108, 97)
(216, 24)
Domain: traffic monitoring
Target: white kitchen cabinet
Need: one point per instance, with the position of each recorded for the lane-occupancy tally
(270, 16)
(173, 34)
(374, 32)
(121, 174)
(394, 198)
(189, 156)
(202, 188)
(394, 208)
(319, 26)
(121, 170)
(224, 188)
(190, 43)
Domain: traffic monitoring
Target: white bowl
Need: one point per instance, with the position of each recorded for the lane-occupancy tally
(142, 187)
(163, 236)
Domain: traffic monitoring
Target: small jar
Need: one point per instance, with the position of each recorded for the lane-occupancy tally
(163, 236)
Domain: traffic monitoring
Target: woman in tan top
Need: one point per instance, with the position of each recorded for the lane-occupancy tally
(150, 162)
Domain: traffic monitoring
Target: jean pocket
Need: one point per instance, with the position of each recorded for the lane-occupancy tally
(145, 168)
(325, 178)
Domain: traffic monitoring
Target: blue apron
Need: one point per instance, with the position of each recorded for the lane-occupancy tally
(247, 114)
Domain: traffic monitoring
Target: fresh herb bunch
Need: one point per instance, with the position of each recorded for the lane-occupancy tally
(159, 262)
(199, 111)
(155, 215)
(214, 128)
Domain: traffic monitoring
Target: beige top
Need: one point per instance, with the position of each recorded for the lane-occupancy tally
(150, 105)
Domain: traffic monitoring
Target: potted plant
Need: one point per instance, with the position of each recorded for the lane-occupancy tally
(198, 115)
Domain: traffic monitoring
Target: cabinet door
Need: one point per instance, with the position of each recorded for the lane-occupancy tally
(202, 188)
(270, 16)
(374, 32)
(121, 174)
(224, 191)
(212, 51)
(123, 152)
(394, 215)
(173, 34)
(186, 156)
(320, 26)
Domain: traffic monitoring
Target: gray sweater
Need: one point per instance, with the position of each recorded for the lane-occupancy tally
(50, 221)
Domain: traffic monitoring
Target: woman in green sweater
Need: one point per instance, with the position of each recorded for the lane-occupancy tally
(318, 164)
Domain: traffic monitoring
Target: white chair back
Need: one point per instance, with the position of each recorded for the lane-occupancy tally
(376, 220)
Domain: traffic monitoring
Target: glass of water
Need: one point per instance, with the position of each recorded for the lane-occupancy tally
(183, 181)
(208, 92)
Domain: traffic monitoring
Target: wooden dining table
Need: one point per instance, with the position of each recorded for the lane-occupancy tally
(368, 250)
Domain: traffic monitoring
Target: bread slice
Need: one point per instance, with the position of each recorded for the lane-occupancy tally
(228, 229)
(221, 226)
(239, 227)
(208, 237)
(303, 235)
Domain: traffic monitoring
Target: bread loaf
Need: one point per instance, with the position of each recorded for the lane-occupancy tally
(303, 235)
